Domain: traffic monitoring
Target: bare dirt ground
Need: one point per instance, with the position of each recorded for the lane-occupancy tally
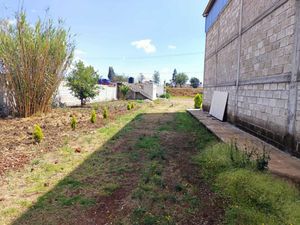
(188, 92)
(17, 146)
(134, 171)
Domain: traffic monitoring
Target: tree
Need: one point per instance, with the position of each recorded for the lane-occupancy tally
(120, 78)
(141, 78)
(195, 82)
(111, 73)
(156, 77)
(124, 90)
(35, 59)
(181, 79)
(174, 75)
(83, 82)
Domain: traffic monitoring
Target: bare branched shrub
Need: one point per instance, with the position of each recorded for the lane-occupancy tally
(35, 59)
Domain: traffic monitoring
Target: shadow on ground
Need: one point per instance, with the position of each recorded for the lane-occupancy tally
(142, 175)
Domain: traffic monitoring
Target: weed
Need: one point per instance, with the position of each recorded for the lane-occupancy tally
(132, 105)
(73, 122)
(37, 133)
(93, 116)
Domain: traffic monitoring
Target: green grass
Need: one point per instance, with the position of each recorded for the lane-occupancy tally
(255, 197)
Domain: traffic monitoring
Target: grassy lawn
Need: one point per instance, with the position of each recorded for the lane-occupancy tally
(156, 165)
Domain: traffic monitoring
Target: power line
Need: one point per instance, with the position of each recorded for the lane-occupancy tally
(147, 57)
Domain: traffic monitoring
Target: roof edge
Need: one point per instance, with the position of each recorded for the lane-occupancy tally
(208, 7)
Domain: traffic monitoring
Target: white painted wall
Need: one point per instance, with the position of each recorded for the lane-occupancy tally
(64, 95)
(160, 90)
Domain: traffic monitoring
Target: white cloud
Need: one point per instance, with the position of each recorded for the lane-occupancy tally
(172, 47)
(146, 45)
(79, 55)
(11, 22)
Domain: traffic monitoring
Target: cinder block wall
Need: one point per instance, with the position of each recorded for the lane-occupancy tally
(253, 57)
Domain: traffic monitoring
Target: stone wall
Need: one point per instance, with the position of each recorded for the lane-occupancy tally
(254, 64)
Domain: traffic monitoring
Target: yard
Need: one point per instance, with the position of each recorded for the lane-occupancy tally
(150, 165)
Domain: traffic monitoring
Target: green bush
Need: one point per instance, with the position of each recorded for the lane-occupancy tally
(73, 122)
(198, 101)
(166, 95)
(128, 106)
(37, 133)
(132, 105)
(105, 113)
(93, 116)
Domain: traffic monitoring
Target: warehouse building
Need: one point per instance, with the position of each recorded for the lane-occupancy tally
(253, 53)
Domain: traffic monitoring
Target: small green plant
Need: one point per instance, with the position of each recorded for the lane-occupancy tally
(198, 101)
(105, 113)
(128, 106)
(37, 133)
(93, 116)
(73, 122)
(166, 95)
(132, 105)
(262, 160)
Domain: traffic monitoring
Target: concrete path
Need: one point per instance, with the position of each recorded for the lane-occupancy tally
(281, 163)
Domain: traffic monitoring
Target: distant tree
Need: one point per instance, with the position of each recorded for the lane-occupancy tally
(156, 77)
(195, 82)
(83, 82)
(111, 73)
(120, 78)
(141, 78)
(174, 75)
(181, 79)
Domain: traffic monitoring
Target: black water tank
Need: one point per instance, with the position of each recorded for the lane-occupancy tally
(130, 80)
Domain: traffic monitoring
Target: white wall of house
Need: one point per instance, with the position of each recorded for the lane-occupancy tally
(65, 96)
(160, 90)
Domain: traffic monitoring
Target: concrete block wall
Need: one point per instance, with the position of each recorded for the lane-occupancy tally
(254, 63)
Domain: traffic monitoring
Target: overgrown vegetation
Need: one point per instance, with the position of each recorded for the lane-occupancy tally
(83, 82)
(73, 122)
(254, 197)
(35, 58)
(93, 116)
(38, 134)
(198, 101)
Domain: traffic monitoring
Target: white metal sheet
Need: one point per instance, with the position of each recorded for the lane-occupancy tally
(218, 104)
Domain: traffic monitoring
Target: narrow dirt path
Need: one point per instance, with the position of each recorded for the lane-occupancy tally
(144, 175)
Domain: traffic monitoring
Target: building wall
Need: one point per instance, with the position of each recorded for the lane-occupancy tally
(259, 81)
(65, 97)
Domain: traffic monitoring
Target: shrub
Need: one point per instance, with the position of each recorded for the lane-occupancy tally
(198, 101)
(73, 122)
(37, 133)
(105, 113)
(166, 95)
(124, 90)
(128, 106)
(36, 57)
(132, 105)
(93, 116)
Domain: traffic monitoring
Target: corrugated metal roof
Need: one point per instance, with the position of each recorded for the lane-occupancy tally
(208, 7)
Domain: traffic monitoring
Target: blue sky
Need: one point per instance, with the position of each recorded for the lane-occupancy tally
(133, 36)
